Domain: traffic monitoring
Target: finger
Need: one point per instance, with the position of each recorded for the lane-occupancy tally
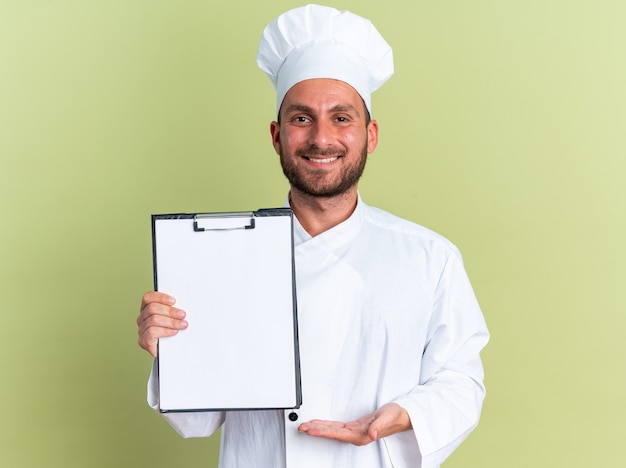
(158, 326)
(158, 319)
(323, 422)
(389, 420)
(161, 321)
(378, 426)
(372, 433)
(349, 433)
(155, 302)
(324, 430)
(156, 309)
(157, 296)
(150, 339)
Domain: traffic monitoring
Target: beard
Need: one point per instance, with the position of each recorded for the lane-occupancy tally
(311, 181)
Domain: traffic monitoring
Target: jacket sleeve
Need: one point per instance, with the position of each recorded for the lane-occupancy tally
(188, 424)
(445, 406)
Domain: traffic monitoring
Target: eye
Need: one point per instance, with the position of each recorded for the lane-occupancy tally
(343, 119)
(300, 119)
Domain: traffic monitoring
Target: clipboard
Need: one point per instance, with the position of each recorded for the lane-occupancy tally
(234, 275)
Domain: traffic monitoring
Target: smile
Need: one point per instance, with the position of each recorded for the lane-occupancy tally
(323, 160)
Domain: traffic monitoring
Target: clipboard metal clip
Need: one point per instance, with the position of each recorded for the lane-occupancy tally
(223, 222)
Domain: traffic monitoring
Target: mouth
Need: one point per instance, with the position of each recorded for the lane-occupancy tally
(322, 160)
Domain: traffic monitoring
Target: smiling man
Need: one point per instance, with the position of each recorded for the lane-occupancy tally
(323, 139)
(389, 328)
(322, 119)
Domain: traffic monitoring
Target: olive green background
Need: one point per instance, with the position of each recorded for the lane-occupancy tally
(503, 129)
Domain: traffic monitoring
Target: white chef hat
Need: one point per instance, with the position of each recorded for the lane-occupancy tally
(321, 42)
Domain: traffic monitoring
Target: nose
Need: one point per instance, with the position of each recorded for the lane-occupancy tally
(321, 134)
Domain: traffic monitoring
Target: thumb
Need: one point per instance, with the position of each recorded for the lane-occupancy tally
(377, 426)
(384, 421)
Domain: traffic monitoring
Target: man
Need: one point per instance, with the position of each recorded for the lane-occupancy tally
(389, 328)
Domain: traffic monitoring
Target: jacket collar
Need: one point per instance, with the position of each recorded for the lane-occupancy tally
(334, 237)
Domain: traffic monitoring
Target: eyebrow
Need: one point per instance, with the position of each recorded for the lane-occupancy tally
(346, 108)
(297, 108)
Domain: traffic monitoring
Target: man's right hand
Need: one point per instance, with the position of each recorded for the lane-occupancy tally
(158, 318)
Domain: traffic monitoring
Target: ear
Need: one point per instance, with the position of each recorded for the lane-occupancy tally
(372, 136)
(275, 132)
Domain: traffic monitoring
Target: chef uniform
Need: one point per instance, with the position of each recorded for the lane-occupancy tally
(386, 313)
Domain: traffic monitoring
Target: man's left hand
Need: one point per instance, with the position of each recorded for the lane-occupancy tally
(385, 421)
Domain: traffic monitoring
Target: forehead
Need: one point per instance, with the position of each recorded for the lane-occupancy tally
(323, 93)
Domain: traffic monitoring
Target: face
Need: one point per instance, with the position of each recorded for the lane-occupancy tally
(323, 137)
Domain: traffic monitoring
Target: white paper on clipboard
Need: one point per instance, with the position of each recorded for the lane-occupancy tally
(233, 274)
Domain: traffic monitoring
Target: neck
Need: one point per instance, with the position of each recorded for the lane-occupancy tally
(319, 214)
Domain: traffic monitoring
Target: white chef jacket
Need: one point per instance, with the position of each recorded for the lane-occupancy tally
(386, 313)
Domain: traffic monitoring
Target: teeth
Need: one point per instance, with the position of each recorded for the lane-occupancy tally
(323, 161)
